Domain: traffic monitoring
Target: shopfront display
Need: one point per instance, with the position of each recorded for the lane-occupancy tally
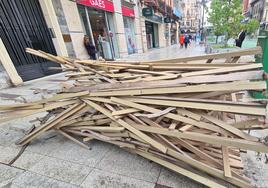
(128, 18)
(98, 27)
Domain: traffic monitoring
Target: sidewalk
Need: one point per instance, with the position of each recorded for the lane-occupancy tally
(173, 51)
(53, 161)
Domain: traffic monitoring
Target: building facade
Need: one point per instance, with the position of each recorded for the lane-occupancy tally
(117, 28)
(265, 12)
(246, 8)
(191, 17)
(257, 9)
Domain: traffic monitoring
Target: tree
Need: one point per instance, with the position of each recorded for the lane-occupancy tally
(251, 26)
(215, 16)
(226, 18)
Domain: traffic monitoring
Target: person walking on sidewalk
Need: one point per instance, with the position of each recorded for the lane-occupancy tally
(91, 50)
(181, 40)
(186, 41)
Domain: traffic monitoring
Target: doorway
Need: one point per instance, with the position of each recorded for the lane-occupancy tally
(23, 26)
(95, 25)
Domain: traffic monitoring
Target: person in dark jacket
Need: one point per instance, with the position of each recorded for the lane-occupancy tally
(186, 41)
(91, 50)
(241, 37)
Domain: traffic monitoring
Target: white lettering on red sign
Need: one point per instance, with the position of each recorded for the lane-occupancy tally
(98, 3)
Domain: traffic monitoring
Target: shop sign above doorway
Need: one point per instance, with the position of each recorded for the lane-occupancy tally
(147, 11)
(155, 18)
(169, 20)
(128, 12)
(99, 4)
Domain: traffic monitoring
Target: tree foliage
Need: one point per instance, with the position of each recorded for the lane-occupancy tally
(252, 26)
(226, 18)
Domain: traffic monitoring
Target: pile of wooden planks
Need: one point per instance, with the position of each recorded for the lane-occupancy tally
(189, 117)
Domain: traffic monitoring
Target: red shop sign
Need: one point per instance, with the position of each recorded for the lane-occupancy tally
(99, 4)
(128, 12)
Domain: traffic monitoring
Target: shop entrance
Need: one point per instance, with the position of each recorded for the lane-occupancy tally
(151, 35)
(96, 26)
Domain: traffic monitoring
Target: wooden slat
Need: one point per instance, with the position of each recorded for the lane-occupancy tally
(223, 70)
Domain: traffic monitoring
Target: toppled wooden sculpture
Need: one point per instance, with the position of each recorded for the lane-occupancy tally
(187, 114)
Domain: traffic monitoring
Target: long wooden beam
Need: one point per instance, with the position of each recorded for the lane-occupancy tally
(234, 86)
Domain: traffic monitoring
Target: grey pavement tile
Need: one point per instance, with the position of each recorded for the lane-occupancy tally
(122, 162)
(44, 144)
(8, 136)
(27, 160)
(61, 170)
(7, 174)
(102, 179)
(12, 131)
(175, 180)
(70, 151)
(7, 154)
(33, 180)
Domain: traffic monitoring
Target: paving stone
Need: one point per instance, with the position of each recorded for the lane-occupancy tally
(175, 180)
(7, 174)
(61, 170)
(173, 51)
(8, 136)
(33, 180)
(7, 154)
(161, 186)
(102, 179)
(27, 160)
(70, 151)
(44, 144)
(124, 163)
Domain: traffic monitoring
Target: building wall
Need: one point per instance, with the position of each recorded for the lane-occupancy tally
(265, 12)
(75, 28)
(138, 29)
(63, 26)
(245, 6)
(51, 21)
(143, 34)
(257, 9)
(191, 15)
(119, 29)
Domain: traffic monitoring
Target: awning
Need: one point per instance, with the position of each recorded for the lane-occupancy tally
(176, 12)
(103, 4)
(129, 12)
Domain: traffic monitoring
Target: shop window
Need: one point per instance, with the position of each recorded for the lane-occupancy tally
(130, 34)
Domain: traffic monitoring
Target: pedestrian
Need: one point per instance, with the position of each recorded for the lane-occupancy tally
(181, 40)
(91, 50)
(186, 41)
(241, 37)
(190, 40)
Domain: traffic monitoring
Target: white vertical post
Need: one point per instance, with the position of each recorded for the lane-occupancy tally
(8, 65)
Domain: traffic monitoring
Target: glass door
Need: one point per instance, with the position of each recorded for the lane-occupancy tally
(94, 25)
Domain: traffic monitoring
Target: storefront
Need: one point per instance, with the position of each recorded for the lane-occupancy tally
(151, 27)
(129, 27)
(152, 34)
(97, 22)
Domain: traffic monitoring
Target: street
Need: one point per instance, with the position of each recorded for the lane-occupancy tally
(53, 161)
